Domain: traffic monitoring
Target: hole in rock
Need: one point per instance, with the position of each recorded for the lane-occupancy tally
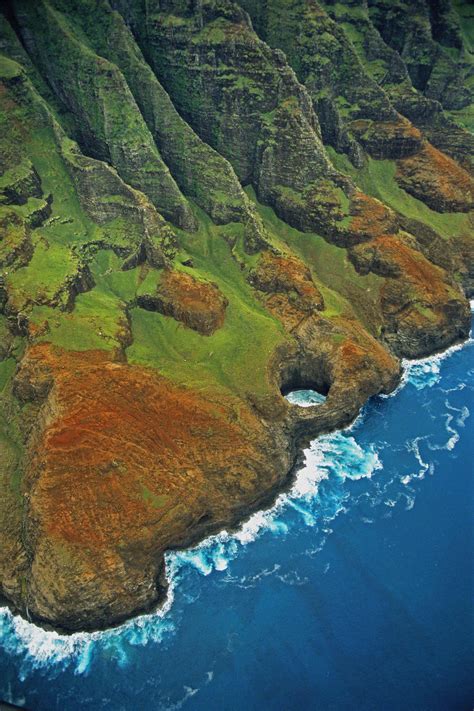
(305, 398)
(306, 383)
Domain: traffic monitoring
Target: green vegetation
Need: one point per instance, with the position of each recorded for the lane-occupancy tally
(156, 501)
(7, 368)
(466, 15)
(11, 440)
(98, 319)
(105, 316)
(345, 292)
(107, 120)
(96, 322)
(377, 178)
(43, 280)
(235, 357)
(464, 117)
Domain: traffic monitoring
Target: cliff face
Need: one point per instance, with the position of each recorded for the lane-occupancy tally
(205, 204)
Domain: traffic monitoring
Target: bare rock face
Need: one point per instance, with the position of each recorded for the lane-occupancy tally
(199, 305)
(422, 37)
(396, 139)
(278, 274)
(417, 298)
(97, 95)
(287, 288)
(20, 183)
(437, 180)
(204, 205)
(15, 239)
(240, 97)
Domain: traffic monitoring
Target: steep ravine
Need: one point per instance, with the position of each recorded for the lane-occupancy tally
(205, 204)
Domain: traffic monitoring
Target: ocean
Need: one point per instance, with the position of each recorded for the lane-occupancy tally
(354, 592)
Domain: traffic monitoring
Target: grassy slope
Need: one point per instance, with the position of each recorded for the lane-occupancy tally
(345, 292)
(377, 178)
(235, 357)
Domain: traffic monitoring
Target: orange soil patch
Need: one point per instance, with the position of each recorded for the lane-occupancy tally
(125, 465)
(427, 279)
(276, 274)
(370, 217)
(198, 304)
(358, 349)
(123, 448)
(292, 294)
(436, 179)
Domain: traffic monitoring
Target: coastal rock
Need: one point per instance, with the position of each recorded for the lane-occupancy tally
(98, 518)
(423, 311)
(278, 274)
(287, 287)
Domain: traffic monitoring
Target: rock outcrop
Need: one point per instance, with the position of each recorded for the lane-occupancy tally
(199, 305)
(438, 180)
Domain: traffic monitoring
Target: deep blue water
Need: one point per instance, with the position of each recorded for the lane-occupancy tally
(354, 593)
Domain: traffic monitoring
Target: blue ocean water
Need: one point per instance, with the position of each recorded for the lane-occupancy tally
(355, 592)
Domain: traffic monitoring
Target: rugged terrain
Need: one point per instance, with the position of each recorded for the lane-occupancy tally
(203, 205)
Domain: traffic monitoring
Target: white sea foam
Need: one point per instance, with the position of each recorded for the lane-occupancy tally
(425, 372)
(293, 579)
(413, 445)
(337, 455)
(459, 420)
(45, 648)
(189, 692)
(305, 398)
(251, 581)
(463, 413)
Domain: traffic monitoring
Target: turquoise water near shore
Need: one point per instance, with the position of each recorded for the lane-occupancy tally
(355, 591)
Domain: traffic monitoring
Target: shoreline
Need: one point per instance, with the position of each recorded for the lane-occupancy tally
(264, 507)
